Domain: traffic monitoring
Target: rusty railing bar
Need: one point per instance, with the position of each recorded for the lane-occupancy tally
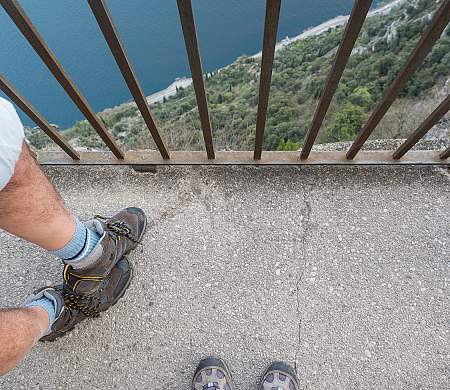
(445, 154)
(354, 25)
(36, 117)
(24, 24)
(426, 42)
(268, 53)
(109, 30)
(424, 127)
(195, 63)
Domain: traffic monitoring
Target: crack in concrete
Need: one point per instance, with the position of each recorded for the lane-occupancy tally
(306, 214)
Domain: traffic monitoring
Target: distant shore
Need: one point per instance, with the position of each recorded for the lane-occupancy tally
(184, 82)
(332, 23)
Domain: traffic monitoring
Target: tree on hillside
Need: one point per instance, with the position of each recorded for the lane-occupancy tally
(361, 97)
(347, 123)
(288, 145)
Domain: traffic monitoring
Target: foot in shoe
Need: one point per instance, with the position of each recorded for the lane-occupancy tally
(120, 234)
(212, 374)
(71, 309)
(279, 376)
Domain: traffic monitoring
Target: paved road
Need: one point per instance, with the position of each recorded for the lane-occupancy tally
(341, 271)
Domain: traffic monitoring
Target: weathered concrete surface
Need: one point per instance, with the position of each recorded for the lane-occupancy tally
(341, 270)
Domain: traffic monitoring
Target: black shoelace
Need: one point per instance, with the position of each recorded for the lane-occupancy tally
(118, 228)
(81, 304)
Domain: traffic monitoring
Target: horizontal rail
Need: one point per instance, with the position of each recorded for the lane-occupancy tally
(424, 127)
(106, 24)
(354, 25)
(145, 157)
(195, 63)
(426, 42)
(268, 53)
(36, 117)
(24, 24)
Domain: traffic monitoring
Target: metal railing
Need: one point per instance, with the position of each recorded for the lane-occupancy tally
(402, 155)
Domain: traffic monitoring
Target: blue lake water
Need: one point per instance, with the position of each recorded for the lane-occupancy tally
(153, 38)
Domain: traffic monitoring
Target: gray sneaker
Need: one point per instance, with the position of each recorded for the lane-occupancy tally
(212, 374)
(279, 376)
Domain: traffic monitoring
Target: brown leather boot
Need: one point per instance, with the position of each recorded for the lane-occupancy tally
(120, 234)
(72, 309)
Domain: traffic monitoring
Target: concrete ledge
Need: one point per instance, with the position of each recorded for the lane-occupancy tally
(147, 157)
(341, 271)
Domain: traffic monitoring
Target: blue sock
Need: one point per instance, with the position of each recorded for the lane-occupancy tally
(49, 306)
(79, 247)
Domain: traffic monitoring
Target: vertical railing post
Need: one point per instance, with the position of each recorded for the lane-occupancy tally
(445, 154)
(424, 127)
(268, 53)
(36, 117)
(354, 25)
(23, 23)
(431, 35)
(195, 63)
(106, 24)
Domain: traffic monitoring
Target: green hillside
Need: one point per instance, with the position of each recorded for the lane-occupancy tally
(300, 72)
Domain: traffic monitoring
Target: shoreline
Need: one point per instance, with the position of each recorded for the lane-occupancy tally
(337, 21)
(332, 23)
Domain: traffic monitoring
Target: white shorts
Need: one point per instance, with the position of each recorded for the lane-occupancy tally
(11, 139)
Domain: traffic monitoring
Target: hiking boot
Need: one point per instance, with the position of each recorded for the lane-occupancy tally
(212, 374)
(71, 309)
(279, 376)
(120, 234)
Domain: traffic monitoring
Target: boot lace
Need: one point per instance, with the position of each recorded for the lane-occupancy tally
(81, 304)
(118, 228)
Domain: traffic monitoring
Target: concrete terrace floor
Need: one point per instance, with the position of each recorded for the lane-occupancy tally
(341, 271)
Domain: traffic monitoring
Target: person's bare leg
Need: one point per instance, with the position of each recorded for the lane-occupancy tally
(20, 329)
(31, 208)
